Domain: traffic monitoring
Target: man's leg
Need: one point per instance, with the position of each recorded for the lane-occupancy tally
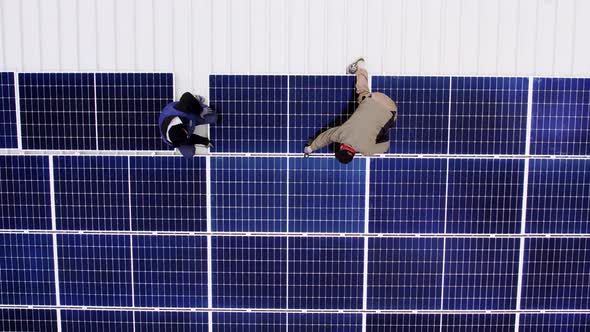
(362, 84)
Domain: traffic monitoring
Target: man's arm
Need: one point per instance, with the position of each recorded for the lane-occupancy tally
(324, 139)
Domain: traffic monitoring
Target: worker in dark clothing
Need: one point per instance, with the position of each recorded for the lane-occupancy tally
(178, 122)
(366, 131)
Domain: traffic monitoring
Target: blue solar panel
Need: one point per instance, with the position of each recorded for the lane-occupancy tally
(325, 322)
(91, 193)
(556, 274)
(554, 322)
(485, 196)
(422, 125)
(8, 137)
(317, 103)
(94, 270)
(482, 323)
(480, 273)
(26, 269)
(249, 272)
(170, 271)
(128, 107)
(249, 194)
(171, 321)
(88, 320)
(245, 322)
(24, 185)
(488, 115)
(325, 273)
(561, 116)
(326, 197)
(57, 111)
(28, 320)
(253, 113)
(557, 196)
(403, 322)
(407, 195)
(168, 194)
(404, 273)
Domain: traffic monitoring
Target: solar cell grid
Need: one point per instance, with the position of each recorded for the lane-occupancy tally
(24, 187)
(253, 110)
(249, 272)
(422, 125)
(57, 111)
(556, 274)
(170, 271)
(324, 197)
(249, 194)
(561, 116)
(91, 193)
(8, 128)
(488, 115)
(94, 270)
(404, 273)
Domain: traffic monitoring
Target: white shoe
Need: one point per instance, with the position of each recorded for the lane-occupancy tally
(353, 67)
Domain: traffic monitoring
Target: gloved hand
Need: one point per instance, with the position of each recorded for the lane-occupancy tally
(307, 151)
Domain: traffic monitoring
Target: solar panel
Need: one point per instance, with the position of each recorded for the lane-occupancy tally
(555, 274)
(24, 186)
(168, 194)
(249, 194)
(422, 125)
(253, 113)
(249, 272)
(28, 320)
(94, 270)
(8, 136)
(405, 273)
(91, 193)
(127, 109)
(317, 103)
(57, 111)
(324, 197)
(488, 115)
(325, 273)
(26, 263)
(480, 273)
(408, 195)
(485, 196)
(557, 200)
(561, 116)
(170, 271)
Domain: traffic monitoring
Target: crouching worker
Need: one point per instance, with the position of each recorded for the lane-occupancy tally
(178, 122)
(366, 131)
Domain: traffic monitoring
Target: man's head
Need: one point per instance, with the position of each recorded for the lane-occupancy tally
(345, 154)
(177, 134)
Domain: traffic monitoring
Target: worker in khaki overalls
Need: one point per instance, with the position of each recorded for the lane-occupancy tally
(366, 131)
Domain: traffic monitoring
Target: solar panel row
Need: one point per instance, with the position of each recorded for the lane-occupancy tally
(72, 320)
(316, 272)
(249, 194)
(438, 115)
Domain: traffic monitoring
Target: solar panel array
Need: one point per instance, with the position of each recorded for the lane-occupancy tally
(477, 217)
